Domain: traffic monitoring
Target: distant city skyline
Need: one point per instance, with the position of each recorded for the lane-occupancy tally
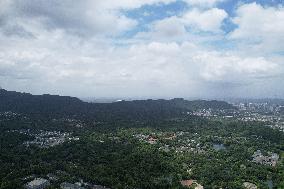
(214, 49)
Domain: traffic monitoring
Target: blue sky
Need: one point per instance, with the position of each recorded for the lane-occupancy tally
(150, 13)
(143, 49)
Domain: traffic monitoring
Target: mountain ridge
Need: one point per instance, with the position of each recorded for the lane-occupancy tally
(55, 105)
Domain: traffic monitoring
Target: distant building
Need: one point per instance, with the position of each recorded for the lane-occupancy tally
(99, 187)
(38, 183)
(171, 137)
(152, 140)
(186, 183)
(271, 160)
(66, 185)
(52, 177)
(191, 183)
(249, 185)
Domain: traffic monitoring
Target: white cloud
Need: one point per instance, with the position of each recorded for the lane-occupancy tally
(233, 68)
(66, 49)
(85, 18)
(168, 29)
(208, 20)
(262, 27)
(203, 3)
(67, 65)
(128, 4)
(186, 26)
(255, 21)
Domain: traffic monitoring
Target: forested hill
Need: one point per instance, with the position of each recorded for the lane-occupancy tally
(39, 104)
(58, 106)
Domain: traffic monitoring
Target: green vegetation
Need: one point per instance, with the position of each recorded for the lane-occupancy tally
(141, 152)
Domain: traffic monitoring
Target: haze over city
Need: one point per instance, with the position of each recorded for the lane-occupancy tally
(138, 48)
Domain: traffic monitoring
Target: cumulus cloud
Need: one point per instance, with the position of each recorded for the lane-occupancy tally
(208, 20)
(74, 49)
(170, 27)
(186, 26)
(232, 68)
(154, 68)
(256, 21)
(262, 26)
(85, 18)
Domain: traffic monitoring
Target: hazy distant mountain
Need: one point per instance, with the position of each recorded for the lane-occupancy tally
(58, 106)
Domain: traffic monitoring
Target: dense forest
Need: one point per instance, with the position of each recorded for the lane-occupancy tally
(110, 144)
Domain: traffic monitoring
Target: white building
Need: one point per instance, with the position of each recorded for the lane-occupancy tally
(66, 185)
(38, 183)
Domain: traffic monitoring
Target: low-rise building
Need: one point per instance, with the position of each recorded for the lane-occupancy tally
(249, 185)
(66, 185)
(152, 140)
(271, 160)
(191, 183)
(38, 183)
(52, 177)
(186, 183)
(99, 187)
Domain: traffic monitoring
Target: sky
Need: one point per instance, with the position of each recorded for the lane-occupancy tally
(143, 48)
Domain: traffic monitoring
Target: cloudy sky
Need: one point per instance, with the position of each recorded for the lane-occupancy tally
(143, 48)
